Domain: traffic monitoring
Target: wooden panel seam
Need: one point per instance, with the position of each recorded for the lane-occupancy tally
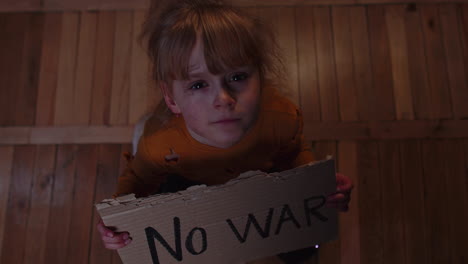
(313, 131)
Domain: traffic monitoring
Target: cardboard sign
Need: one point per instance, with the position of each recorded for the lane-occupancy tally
(252, 216)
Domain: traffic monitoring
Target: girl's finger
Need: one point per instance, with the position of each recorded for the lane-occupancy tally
(117, 245)
(336, 196)
(103, 230)
(114, 245)
(343, 182)
(116, 239)
(339, 198)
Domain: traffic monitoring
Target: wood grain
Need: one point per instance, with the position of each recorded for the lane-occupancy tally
(94, 4)
(436, 64)
(65, 135)
(41, 193)
(20, 5)
(17, 210)
(6, 163)
(465, 146)
(393, 230)
(370, 203)
(140, 77)
(119, 106)
(3, 92)
(45, 106)
(122, 165)
(350, 251)
(386, 130)
(60, 214)
(102, 84)
(326, 64)
(106, 184)
(412, 191)
(14, 28)
(436, 201)
(449, 18)
(57, 5)
(86, 52)
(347, 91)
(313, 131)
(417, 65)
(395, 21)
(307, 65)
(65, 101)
(463, 24)
(82, 204)
(362, 61)
(456, 175)
(26, 89)
(382, 98)
(15, 135)
(83, 135)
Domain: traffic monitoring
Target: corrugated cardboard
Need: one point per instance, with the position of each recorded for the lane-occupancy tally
(252, 216)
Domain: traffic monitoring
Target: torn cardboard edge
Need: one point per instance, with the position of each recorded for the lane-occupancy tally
(217, 220)
(131, 200)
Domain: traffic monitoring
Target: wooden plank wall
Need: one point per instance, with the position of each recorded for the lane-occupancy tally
(61, 5)
(350, 69)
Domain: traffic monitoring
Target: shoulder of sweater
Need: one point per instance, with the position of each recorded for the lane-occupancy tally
(279, 104)
(280, 110)
(159, 143)
(282, 118)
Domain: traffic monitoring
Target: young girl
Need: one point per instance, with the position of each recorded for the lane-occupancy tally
(218, 70)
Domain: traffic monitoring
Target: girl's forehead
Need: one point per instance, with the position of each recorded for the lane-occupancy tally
(210, 53)
(198, 48)
(197, 57)
(197, 62)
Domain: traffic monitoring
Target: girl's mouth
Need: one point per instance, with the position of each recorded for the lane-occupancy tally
(227, 121)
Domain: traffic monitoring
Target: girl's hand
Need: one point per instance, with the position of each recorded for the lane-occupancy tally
(341, 198)
(111, 239)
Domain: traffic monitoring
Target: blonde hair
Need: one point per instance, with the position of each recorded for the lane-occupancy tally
(231, 39)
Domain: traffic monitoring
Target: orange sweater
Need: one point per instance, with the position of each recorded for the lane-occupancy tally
(274, 143)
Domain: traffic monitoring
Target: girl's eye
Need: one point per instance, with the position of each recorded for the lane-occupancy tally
(236, 77)
(198, 85)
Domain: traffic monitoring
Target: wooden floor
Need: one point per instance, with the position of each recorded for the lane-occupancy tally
(409, 204)
(80, 77)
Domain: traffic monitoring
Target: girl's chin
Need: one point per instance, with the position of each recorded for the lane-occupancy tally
(220, 138)
(227, 141)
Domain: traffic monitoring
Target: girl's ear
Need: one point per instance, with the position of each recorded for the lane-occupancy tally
(168, 98)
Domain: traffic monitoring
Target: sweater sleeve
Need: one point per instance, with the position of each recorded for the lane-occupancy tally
(294, 149)
(143, 174)
(305, 154)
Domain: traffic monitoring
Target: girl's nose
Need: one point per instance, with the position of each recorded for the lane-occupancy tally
(224, 99)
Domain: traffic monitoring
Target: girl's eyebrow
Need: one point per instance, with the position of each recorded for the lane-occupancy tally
(195, 73)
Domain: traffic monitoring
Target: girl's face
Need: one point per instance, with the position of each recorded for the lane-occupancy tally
(218, 109)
